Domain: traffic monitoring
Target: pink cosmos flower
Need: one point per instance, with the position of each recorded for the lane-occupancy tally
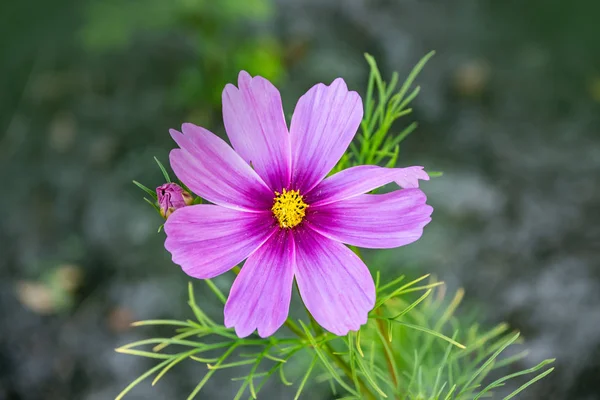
(274, 207)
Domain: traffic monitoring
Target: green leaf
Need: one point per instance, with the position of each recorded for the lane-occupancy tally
(141, 378)
(202, 318)
(369, 378)
(150, 192)
(306, 376)
(397, 292)
(449, 395)
(153, 204)
(431, 332)
(172, 322)
(325, 361)
(414, 73)
(210, 372)
(394, 283)
(488, 362)
(435, 174)
(147, 354)
(163, 170)
(531, 382)
(216, 290)
(174, 362)
(501, 381)
(413, 305)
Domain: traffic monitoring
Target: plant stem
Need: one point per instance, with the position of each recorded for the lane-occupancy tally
(294, 328)
(389, 352)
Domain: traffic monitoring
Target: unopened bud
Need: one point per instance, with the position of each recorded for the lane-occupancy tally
(172, 197)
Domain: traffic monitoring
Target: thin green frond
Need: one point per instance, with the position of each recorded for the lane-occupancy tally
(163, 170)
(147, 354)
(153, 204)
(149, 191)
(325, 361)
(173, 362)
(210, 372)
(172, 322)
(489, 362)
(431, 332)
(306, 376)
(412, 305)
(368, 376)
(144, 342)
(216, 290)
(392, 283)
(499, 382)
(183, 335)
(202, 318)
(141, 378)
(414, 73)
(529, 383)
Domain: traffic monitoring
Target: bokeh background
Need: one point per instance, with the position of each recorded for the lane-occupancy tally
(509, 110)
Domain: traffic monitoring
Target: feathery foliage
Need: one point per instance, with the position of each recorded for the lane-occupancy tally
(413, 346)
(401, 353)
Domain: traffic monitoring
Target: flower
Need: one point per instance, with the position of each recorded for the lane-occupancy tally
(274, 207)
(170, 197)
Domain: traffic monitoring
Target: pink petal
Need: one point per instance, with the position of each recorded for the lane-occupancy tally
(260, 296)
(362, 179)
(208, 240)
(212, 170)
(409, 177)
(255, 123)
(374, 220)
(334, 283)
(324, 122)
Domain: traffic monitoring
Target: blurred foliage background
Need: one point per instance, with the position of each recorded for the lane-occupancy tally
(509, 110)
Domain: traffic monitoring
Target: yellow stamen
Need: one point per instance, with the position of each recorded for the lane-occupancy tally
(289, 208)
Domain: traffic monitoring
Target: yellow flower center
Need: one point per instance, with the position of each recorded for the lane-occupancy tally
(289, 208)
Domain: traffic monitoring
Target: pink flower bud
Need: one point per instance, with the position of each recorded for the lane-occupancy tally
(171, 197)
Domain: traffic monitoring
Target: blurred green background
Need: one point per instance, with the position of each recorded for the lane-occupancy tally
(509, 110)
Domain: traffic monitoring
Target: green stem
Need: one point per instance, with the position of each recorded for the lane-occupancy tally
(388, 351)
(294, 328)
